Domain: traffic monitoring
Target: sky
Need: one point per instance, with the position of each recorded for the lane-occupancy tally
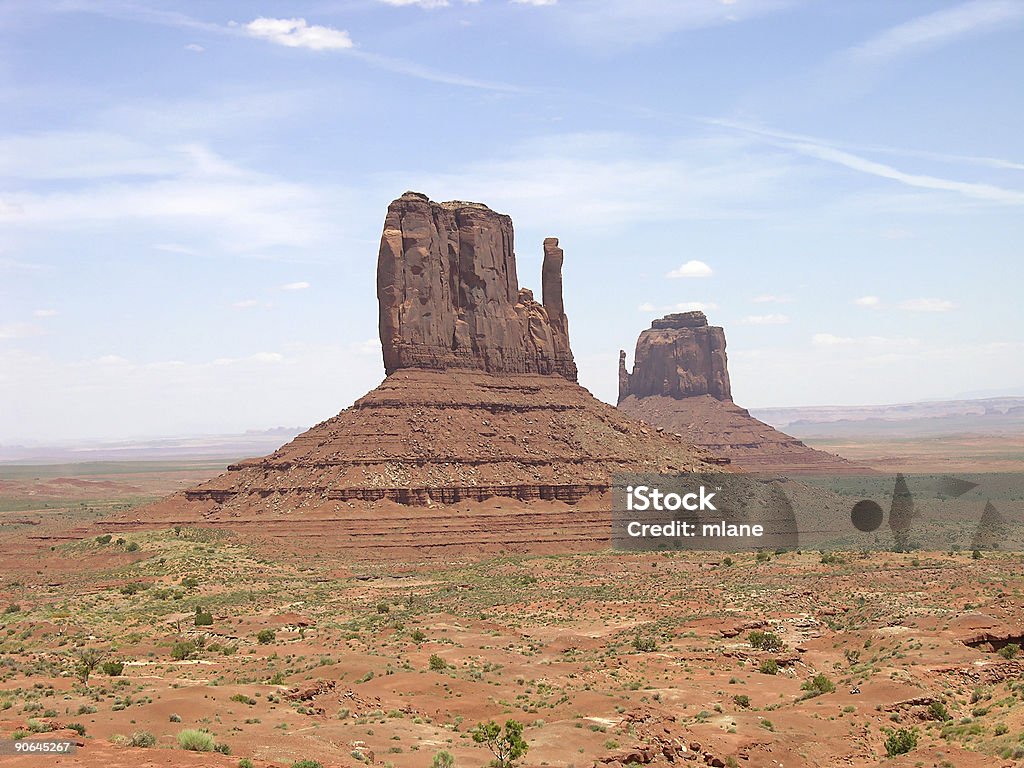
(192, 193)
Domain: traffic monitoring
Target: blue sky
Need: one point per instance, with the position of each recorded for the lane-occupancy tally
(191, 194)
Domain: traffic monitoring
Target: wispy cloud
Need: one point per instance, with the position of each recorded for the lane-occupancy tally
(769, 319)
(297, 286)
(927, 305)
(11, 331)
(934, 29)
(869, 302)
(692, 268)
(683, 306)
(296, 33)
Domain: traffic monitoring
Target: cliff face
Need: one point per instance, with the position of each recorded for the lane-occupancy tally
(678, 356)
(449, 294)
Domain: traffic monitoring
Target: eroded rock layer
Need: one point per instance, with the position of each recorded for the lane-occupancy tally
(430, 436)
(450, 298)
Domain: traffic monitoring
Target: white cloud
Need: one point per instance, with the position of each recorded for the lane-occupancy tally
(937, 28)
(771, 299)
(298, 286)
(11, 331)
(194, 47)
(927, 305)
(868, 301)
(692, 268)
(771, 319)
(45, 313)
(296, 33)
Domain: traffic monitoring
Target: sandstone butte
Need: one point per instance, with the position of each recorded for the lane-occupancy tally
(680, 383)
(480, 402)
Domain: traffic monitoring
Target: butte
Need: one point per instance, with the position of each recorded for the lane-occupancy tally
(680, 383)
(479, 436)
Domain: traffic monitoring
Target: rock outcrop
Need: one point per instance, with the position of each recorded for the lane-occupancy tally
(480, 400)
(680, 383)
(678, 356)
(450, 298)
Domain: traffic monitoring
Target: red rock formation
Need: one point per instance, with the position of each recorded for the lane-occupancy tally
(480, 400)
(678, 356)
(450, 297)
(680, 382)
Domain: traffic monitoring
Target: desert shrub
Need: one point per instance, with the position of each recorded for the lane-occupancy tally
(741, 700)
(1001, 730)
(38, 726)
(195, 740)
(241, 698)
(142, 739)
(383, 608)
(644, 644)
(417, 636)
(769, 667)
(133, 546)
(818, 685)
(12, 608)
(1009, 651)
(245, 762)
(175, 718)
(437, 663)
(307, 764)
(976, 554)
(203, 618)
(937, 711)
(77, 728)
(183, 649)
(265, 636)
(507, 745)
(766, 641)
(222, 748)
(189, 582)
(104, 539)
(443, 759)
(112, 668)
(900, 742)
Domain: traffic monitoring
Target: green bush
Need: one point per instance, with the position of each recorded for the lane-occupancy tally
(769, 667)
(241, 698)
(507, 745)
(12, 608)
(77, 728)
(644, 644)
(112, 668)
(1009, 651)
(195, 740)
(937, 711)
(104, 539)
(741, 700)
(818, 685)
(245, 762)
(437, 663)
(765, 641)
(265, 636)
(203, 618)
(142, 739)
(184, 649)
(132, 547)
(443, 759)
(417, 636)
(900, 742)
(307, 764)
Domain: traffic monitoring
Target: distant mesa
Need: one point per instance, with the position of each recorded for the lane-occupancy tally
(680, 383)
(480, 398)
(678, 356)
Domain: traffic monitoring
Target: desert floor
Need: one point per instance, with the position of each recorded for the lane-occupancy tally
(607, 658)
